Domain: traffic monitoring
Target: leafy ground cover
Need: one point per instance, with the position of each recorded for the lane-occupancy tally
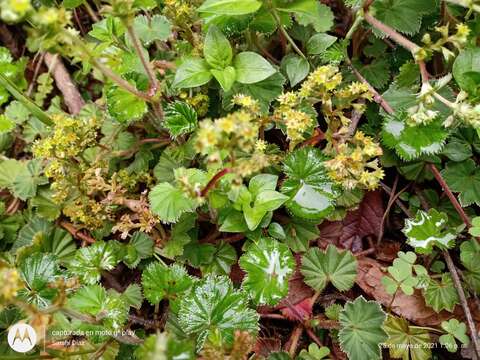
(240, 179)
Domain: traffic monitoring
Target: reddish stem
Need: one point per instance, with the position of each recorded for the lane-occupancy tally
(76, 233)
(211, 184)
(450, 195)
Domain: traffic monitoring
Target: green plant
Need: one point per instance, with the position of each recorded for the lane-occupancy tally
(228, 179)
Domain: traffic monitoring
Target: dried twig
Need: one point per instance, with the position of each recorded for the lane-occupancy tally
(71, 96)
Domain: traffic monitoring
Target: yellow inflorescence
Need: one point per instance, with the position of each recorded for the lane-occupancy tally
(11, 283)
(354, 166)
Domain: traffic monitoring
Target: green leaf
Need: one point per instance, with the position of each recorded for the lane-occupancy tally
(299, 234)
(264, 91)
(148, 30)
(140, 247)
(319, 43)
(44, 204)
(162, 346)
(464, 178)
(25, 183)
(321, 267)
(124, 106)
(212, 306)
(192, 72)
(427, 230)
(89, 261)
(95, 301)
(230, 7)
(217, 49)
(252, 68)
(132, 296)
(467, 62)
(107, 29)
(223, 258)
(405, 341)
(410, 142)
(160, 282)
(37, 271)
(311, 192)
(225, 77)
(276, 231)
(469, 253)
(403, 15)
(6, 125)
(234, 222)
(180, 118)
(377, 73)
(401, 274)
(442, 294)
(314, 352)
(361, 330)
(268, 265)
(310, 12)
(455, 330)
(169, 203)
(72, 4)
(296, 68)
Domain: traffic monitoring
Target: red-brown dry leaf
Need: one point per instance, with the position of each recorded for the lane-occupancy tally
(412, 308)
(349, 232)
(387, 251)
(299, 312)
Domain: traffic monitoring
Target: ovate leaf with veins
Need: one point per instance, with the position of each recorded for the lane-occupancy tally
(212, 306)
(427, 230)
(268, 265)
(230, 7)
(405, 341)
(361, 329)
(321, 267)
(464, 178)
(311, 191)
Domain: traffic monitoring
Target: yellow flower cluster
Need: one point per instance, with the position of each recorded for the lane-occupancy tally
(14, 10)
(69, 138)
(458, 40)
(11, 283)
(236, 131)
(353, 165)
(320, 86)
(199, 102)
(181, 12)
(89, 212)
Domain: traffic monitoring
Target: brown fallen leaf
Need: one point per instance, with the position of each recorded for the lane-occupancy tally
(412, 308)
(364, 221)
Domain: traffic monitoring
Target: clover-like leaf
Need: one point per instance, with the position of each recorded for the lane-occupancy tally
(213, 305)
(405, 341)
(311, 191)
(442, 294)
(401, 274)
(464, 178)
(321, 267)
(268, 265)
(314, 352)
(455, 330)
(160, 282)
(89, 261)
(361, 329)
(427, 230)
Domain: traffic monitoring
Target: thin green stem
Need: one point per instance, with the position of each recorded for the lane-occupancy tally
(285, 33)
(355, 25)
(26, 101)
(107, 72)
